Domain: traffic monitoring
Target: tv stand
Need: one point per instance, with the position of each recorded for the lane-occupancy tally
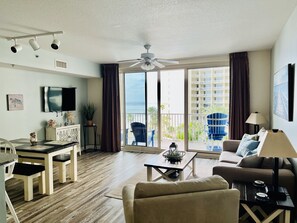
(64, 133)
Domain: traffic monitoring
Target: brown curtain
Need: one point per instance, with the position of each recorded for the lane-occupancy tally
(239, 108)
(111, 124)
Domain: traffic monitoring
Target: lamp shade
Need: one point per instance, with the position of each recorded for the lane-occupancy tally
(256, 119)
(275, 143)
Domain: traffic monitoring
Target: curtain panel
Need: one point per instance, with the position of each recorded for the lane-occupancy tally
(239, 107)
(111, 117)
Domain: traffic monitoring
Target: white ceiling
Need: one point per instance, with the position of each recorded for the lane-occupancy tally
(106, 31)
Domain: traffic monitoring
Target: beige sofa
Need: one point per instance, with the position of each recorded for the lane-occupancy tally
(204, 200)
(250, 170)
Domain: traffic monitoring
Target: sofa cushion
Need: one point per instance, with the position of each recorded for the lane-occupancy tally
(229, 157)
(253, 161)
(153, 189)
(247, 146)
(268, 163)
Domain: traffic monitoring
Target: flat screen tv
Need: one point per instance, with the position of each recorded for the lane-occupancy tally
(57, 99)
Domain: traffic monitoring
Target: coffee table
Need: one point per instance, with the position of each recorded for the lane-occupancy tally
(165, 168)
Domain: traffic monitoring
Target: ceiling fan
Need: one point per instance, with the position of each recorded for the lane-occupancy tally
(148, 60)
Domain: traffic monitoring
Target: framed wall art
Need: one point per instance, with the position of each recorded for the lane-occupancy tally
(15, 102)
(283, 92)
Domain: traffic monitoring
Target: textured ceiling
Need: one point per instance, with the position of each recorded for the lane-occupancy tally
(106, 31)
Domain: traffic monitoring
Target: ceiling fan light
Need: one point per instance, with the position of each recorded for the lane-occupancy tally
(147, 66)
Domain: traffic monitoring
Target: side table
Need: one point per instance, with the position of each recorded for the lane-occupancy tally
(250, 204)
(94, 126)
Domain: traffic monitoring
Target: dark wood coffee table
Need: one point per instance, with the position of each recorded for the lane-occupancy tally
(165, 168)
(251, 205)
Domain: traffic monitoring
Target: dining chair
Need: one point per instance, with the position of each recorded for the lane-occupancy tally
(7, 147)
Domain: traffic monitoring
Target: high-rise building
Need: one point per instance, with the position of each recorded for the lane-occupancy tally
(209, 89)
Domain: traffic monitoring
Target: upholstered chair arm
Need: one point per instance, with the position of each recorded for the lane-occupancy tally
(128, 200)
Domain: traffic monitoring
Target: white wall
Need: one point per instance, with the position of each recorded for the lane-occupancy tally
(18, 124)
(95, 96)
(283, 53)
(259, 63)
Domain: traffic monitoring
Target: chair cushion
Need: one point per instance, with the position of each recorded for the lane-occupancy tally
(27, 169)
(247, 146)
(153, 189)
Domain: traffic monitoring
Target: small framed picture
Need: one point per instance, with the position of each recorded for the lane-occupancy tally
(15, 102)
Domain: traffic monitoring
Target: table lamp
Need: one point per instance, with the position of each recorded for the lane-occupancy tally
(256, 118)
(276, 144)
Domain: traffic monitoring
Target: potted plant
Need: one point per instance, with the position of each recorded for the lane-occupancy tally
(88, 111)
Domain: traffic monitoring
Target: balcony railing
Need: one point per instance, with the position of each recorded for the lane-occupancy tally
(172, 125)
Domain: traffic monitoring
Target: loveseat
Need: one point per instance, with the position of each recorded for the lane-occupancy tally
(204, 200)
(236, 168)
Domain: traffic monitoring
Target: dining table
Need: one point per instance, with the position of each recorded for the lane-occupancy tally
(47, 150)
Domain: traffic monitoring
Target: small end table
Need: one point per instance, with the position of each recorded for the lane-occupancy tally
(94, 126)
(249, 202)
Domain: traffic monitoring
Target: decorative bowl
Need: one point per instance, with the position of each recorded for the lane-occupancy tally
(174, 156)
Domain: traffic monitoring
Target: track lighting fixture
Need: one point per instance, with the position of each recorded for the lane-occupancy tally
(16, 47)
(56, 43)
(33, 42)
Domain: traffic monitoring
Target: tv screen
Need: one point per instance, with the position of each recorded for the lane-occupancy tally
(52, 99)
(59, 99)
(68, 99)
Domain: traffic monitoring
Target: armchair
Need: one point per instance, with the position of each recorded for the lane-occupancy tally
(204, 200)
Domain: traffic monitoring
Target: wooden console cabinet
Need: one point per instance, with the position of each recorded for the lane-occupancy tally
(64, 133)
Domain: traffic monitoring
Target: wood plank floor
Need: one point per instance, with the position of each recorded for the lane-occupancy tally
(84, 200)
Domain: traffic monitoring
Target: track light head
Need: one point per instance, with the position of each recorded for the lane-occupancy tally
(55, 44)
(16, 48)
(33, 42)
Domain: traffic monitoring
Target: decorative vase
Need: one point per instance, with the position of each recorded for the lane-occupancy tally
(33, 138)
(89, 122)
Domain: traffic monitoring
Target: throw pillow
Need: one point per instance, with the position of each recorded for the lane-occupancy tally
(253, 161)
(247, 146)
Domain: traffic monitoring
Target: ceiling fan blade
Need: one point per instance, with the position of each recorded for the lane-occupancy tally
(168, 61)
(156, 63)
(133, 65)
(129, 61)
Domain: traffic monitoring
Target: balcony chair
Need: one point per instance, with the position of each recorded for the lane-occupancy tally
(139, 132)
(216, 129)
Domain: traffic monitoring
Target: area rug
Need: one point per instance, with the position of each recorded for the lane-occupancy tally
(203, 169)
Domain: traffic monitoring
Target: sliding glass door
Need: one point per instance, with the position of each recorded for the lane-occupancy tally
(172, 108)
(141, 119)
(168, 106)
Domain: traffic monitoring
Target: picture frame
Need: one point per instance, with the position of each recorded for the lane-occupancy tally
(283, 92)
(15, 102)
